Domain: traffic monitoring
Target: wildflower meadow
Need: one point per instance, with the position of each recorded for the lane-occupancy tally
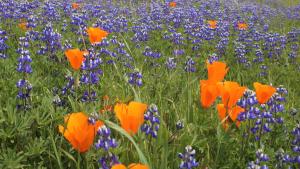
(150, 84)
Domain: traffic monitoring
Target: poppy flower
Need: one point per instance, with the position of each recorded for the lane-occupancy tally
(23, 26)
(137, 166)
(242, 26)
(96, 35)
(75, 57)
(79, 131)
(172, 4)
(230, 92)
(131, 166)
(131, 116)
(209, 92)
(212, 24)
(263, 92)
(216, 71)
(75, 5)
(233, 114)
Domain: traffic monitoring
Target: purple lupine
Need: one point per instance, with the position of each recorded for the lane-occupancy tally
(52, 40)
(106, 143)
(3, 45)
(135, 78)
(24, 67)
(261, 158)
(91, 75)
(170, 63)
(152, 121)
(190, 65)
(188, 160)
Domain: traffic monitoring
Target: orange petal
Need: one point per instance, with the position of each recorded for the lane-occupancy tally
(217, 71)
(235, 112)
(96, 35)
(172, 4)
(263, 92)
(75, 57)
(231, 92)
(221, 111)
(118, 166)
(131, 117)
(137, 166)
(209, 93)
(80, 133)
(136, 112)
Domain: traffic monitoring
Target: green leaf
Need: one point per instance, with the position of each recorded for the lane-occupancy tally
(123, 132)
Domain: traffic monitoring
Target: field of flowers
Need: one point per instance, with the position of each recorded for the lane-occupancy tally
(117, 84)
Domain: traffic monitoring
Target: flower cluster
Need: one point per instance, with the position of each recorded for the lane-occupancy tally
(190, 65)
(135, 78)
(91, 75)
(24, 67)
(3, 45)
(106, 143)
(188, 160)
(52, 40)
(261, 158)
(152, 122)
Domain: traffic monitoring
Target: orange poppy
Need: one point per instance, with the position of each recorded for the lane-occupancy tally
(23, 26)
(131, 116)
(75, 5)
(137, 166)
(96, 35)
(242, 26)
(230, 92)
(131, 166)
(212, 24)
(79, 132)
(209, 93)
(263, 92)
(172, 4)
(231, 112)
(75, 57)
(216, 71)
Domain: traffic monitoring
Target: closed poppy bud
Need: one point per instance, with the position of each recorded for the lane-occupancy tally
(212, 24)
(172, 4)
(263, 92)
(242, 26)
(79, 131)
(75, 5)
(75, 57)
(105, 98)
(23, 26)
(96, 35)
(222, 115)
(131, 116)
